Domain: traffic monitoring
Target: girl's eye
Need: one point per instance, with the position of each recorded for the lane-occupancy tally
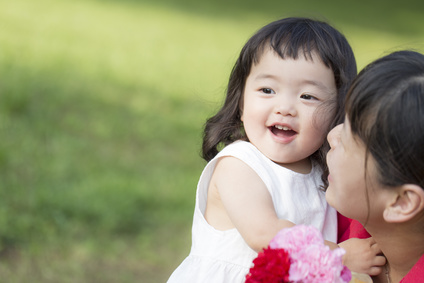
(267, 90)
(307, 97)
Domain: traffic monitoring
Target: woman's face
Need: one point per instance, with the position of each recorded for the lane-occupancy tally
(349, 181)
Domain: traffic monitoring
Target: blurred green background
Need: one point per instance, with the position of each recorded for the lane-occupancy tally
(102, 104)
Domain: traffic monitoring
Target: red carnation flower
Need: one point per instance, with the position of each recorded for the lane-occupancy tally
(270, 266)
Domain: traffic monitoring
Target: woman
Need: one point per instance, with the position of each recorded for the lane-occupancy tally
(376, 161)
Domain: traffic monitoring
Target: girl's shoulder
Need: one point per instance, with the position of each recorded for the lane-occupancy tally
(237, 146)
(244, 151)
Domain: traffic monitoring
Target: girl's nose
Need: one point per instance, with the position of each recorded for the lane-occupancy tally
(286, 107)
(333, 136)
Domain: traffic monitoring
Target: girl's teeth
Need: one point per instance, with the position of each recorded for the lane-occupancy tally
(282, 128)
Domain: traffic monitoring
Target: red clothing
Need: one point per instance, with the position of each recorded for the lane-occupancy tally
(416, 274)
(349, 228)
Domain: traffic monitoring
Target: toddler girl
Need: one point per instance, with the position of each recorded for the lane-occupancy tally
(283, 97)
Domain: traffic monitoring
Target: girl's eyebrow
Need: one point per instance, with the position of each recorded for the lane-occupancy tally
(266, 76)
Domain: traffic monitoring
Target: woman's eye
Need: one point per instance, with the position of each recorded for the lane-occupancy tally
(307, 97)
(267, 90)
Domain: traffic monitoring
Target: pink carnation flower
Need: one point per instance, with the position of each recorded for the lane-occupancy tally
(311, 260)
(296, 238)
(317, 263)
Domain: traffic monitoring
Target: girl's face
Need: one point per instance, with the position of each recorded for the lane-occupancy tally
(348, 182)
(281, 97)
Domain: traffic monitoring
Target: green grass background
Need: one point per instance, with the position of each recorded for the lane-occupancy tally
(102, 104)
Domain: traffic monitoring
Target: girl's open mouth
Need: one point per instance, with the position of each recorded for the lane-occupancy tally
(282, 131)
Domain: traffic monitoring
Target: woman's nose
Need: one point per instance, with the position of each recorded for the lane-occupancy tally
(333, 136)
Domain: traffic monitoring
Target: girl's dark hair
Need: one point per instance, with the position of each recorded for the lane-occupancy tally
(289, 38)
(385, 108)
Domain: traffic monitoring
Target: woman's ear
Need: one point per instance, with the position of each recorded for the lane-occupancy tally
(406, 204)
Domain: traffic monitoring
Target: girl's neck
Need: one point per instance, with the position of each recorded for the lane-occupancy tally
(402, 249)
(303, 166)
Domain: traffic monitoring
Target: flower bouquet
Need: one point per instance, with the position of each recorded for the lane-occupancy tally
(298, 254)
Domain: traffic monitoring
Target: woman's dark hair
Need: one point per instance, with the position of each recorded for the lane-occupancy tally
(289, 38)
(385, 108)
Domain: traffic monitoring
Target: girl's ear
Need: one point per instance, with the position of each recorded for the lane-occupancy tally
(407, 203)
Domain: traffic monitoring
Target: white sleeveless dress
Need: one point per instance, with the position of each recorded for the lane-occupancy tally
(223, 256)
